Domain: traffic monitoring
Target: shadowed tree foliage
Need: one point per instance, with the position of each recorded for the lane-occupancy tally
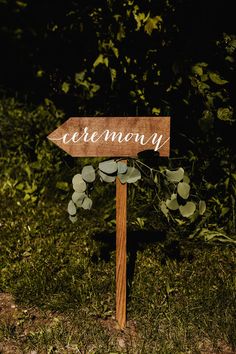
(168, 57)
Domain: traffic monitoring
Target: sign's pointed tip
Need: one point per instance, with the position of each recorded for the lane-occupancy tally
(49, 137)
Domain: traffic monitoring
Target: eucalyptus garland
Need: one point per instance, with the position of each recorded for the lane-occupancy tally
(177, 183)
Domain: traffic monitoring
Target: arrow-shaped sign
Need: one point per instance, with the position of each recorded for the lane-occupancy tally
(113, 136)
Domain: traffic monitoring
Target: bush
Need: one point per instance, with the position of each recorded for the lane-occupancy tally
(28, 161)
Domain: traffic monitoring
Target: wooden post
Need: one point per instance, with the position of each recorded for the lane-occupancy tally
(121, 235)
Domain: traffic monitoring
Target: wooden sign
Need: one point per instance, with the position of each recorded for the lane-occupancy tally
(113, 136)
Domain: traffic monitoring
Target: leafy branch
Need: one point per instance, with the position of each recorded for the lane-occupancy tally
(174, 196)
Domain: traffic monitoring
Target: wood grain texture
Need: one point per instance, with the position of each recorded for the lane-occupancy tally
(92, 136)
(121, 281)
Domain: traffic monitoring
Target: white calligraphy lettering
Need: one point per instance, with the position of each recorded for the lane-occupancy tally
(106, 135)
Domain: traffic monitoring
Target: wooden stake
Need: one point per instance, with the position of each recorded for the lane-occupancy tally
(121, 235)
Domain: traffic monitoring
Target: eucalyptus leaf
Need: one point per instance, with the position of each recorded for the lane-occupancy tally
(77, 196)
(175, 176)
(188, 209)
(183, 190)
(123, 178)
(108, 167)
(77, 178)
(122, 167)
(202, 207)
(172, 203)
(73, 218)
(106, 178)
(80, 187)
(79, 184)
(87, 203)
(88, 174)
(71, 208)
(131, 176)
(79, 202)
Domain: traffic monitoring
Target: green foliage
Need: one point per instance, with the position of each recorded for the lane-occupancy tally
(107, 171)
(215, 170)
(187, 209)
(106, 178)
(132, 175)
(225, 114)
(183, 190)
(180, 188)
(202, 207)
(88, 174)
(121, 167)
(213, 97)
(79, 184)
(175, 176)
(173, 182)
(214, 77)
(108, 167)
(71, 208)
(28, 163)
(162, 191)
(133, 58)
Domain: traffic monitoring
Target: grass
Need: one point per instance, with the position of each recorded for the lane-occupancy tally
(58, 288)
